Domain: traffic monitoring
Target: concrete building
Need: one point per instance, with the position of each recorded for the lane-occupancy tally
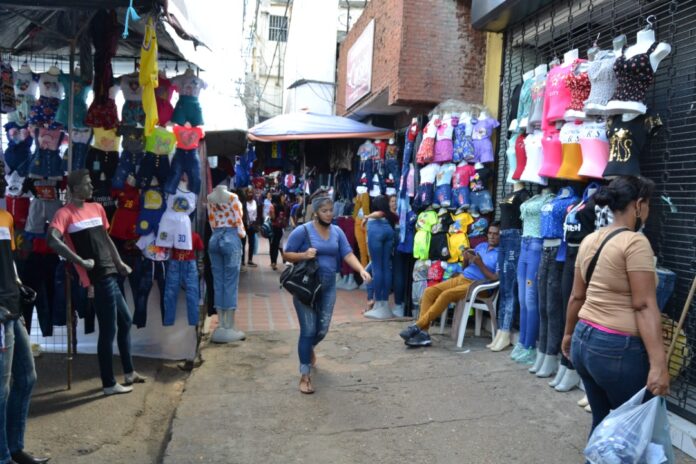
(403, 57)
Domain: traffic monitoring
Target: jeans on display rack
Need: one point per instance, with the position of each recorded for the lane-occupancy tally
(392, 167)
(508, 257)
(184, 161)
(380, 242)
(18, 379)
(79, 157)
(225, 251)
(112, 314)
(181, 274)
(149, 271)
(527, 289)
(550, 311)
(314, 322)
(128, 164)
(612, 367)
(566, 289)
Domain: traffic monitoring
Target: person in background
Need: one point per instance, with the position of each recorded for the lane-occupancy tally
(253, 222)
(267, 204)
(297, 212)
(380, 243)
(16, 360)
(613, 332)
(481, 264)
(279, 221)
(329, 245)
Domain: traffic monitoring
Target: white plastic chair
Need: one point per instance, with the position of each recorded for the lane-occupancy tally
(478, 303)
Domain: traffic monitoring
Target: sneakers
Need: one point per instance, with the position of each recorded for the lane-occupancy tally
(134, 377)
(117, 389)
(421, 338)
(409, 332)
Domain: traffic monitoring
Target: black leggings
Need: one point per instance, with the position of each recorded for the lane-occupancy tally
(251, 241)
(275, 243)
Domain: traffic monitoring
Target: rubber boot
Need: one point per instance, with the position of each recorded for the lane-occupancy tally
(559, 376)
(495, 340)
(379, 311)
(503, 341)
(223, 333)
(537, 363)
(236, 334)
(549, 367)
(571, 379)
(350, 283)
(398, 310)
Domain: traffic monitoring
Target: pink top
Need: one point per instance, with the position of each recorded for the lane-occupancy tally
(595, 149)
(553, 154)
(557, 96)
(462, 175)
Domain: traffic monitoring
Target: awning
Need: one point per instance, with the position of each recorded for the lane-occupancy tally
(312, 126)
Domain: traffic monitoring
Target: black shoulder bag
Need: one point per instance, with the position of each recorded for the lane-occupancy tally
(302, 279)
(593, 263)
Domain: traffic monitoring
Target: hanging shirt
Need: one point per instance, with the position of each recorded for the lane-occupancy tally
(530, 213)
(367, 151)
(160, 142)
(130, 86)
(150, 250)
(189, 85)
(188, 138)
(429, 173)
(133, 138)
(80, 135)
(26, 84)
(148, 75)
(627, 140)
(49, 139)
(462, 175)
(189, 255)
(106, 139)
(479, 181)
(50, 86)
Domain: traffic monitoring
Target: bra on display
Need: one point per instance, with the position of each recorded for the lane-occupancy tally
(552, 154)
(627, 139)
(595, 148)
(572, 154)
(634, 75)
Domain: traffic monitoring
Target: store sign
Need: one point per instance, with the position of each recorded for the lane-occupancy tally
(359, 73)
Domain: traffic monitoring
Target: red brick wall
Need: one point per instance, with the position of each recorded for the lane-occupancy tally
(425, 52)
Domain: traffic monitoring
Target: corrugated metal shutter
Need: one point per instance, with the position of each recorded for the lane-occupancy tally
(671, 160)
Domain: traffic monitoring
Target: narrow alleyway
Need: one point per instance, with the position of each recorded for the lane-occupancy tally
(376, 400)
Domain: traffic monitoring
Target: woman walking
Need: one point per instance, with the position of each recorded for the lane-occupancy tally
(326, 242)
(613, 333)
(279, 221)
(253, 223)
(380, 243)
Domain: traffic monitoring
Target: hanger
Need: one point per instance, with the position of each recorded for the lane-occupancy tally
(650, 20)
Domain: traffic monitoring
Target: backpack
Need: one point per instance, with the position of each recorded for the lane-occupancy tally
(266, 229)
(302, 279)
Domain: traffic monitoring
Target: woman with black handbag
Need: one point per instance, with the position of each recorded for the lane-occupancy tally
(327, 244)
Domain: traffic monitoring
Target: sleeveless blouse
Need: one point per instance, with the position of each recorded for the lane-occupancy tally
(579, 86)
(634, 75)
(602, 83)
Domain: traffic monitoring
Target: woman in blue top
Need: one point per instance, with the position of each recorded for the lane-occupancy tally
(329, 245)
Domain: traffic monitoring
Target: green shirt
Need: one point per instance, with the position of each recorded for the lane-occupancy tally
(530, 213)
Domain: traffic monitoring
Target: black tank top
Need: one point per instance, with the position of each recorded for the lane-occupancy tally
(510, 210)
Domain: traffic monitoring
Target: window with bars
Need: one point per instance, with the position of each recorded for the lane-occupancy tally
(278, 28)
(670, 160)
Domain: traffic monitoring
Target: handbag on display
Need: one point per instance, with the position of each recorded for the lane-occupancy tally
(302, 279)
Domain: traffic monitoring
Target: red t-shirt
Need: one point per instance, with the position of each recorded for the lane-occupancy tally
(187, 138)
(188, 255)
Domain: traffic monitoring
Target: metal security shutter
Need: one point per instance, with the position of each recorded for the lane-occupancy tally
(671, 159)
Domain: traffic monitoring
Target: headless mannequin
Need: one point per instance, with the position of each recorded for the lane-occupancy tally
(568, 58)
(226, 331)
(644, 40)
(522, 123)
(513, 126)
(54, 70)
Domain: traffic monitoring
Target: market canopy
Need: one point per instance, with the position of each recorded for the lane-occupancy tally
(312, 126)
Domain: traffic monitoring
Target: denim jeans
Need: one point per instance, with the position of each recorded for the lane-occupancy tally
(185, 161)
(566, 289)
(149, 271)
(391, 167)
(366, 167)
(380, 243)
(46, 163)
(152, 166)
(225, 251)
(100, 161)
(508, 256)
(79, 157)
(405, 167)
(527, 269)
(550, 302)
(399, 273)
(612, 367)
(665, 287)
(112, 314)
(18, 379)
(314, 322)
(18, 157)
(274, 243)
(128, 164)
(181, 274)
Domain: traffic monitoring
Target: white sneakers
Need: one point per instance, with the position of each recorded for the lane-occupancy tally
(117, 389)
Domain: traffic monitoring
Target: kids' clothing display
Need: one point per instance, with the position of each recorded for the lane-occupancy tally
(182, 272)
(82, 89)
(187, 108)
(481, 139)
(443, 185)
(175, 226)
(426, 150)
(18, 151)
(163, 98)
(463, 149)
(123, 224)
(46, 160)
(43, 113)
(26, 87)
(444, 146)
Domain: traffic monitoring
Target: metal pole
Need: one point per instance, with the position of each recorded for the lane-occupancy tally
(68, 294)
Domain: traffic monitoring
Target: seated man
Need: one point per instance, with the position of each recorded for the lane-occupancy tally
(481, 264)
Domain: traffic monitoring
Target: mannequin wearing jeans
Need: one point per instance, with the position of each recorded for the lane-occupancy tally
(508, 257)
(380, 243)
(225, 252)
(527, 269)
(16, 360)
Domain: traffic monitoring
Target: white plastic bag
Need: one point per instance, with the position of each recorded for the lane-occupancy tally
(624, 435)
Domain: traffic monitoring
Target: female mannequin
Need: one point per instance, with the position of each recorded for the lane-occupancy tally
(628, 97)
(535, 158)
(525, 99)
(225, 250)
(536, 110)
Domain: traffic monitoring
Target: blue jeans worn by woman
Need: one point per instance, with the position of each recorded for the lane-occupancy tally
(612, 367)
(508, 256)
(380, 243)
(18, 379)
(225, 252)
(527, 269)
(112, 313)
(314, 322)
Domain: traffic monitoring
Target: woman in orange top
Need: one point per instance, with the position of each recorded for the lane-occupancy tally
(613, 333)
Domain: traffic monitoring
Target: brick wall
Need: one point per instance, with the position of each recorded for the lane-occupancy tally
(425, 51)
